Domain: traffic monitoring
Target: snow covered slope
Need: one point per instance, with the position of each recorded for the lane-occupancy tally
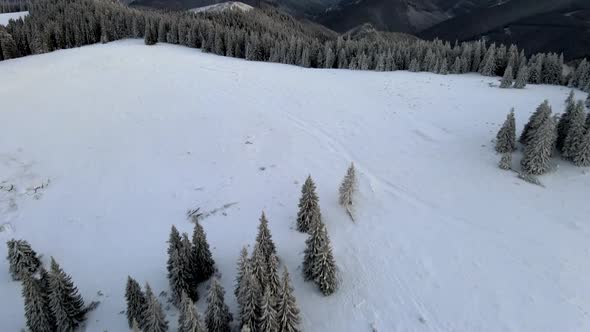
(5, 17)
(130, 137)
(220, 7)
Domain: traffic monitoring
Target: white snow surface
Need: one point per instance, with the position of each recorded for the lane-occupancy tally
(121, 139)
(223, 6)
(5, 17)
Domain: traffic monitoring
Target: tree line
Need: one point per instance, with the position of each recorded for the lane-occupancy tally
(11, 6)
(272, 36)
(266, 299)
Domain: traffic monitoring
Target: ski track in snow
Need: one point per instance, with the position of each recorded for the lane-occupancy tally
(443, 240)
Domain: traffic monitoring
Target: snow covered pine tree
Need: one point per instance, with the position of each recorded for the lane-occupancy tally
(506, 137)
(309, 208)
(22, 259)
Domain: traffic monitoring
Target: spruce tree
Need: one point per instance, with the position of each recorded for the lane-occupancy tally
(22, 259)
(36, 307)
(348, 187)
(44, 278)
(313, 246)
(575, 131)
(506, 137)
(507, 78)
(267, 321)
(324, 267)
(188, 319)
(217, 316)
(203, 260)
(309, 209)
(259, 265)
(537, 154)
(488, 67)
(506, 161)
(67, 306)
(564, 121)
(135, 301)
(274, 283)
(264, 238)
(582, 156)
(521, 77)
(154, 318)
(243, 265)
(174, 245)
(181, 271)
(537, 118)
(287, 309)
(249, 297)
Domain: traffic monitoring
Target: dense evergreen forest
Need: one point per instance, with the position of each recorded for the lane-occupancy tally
(269, 35)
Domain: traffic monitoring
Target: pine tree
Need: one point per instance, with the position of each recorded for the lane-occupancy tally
(324, 267)
(287, 309)
(564, 121)
(488, 67)
(181, 271)
(217, 316)
(506, 161)
(575, 131)
(154, 319)
(264, 238)
(188, 320)
(313, 246)
(44, 283)
(267, 321)
(203, 260)
(521, 77)
(36, 313)
(174, 245)
(136, 301)
(537, 154)
(22, 259)
(309, 209)
(259, 265)
(274, 283)
(348, 187)
(506, 137)
(243, 265)
(67, 306)
(507, 79)
(250, 294)
(537, 118)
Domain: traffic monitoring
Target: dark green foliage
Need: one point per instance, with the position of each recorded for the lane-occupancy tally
(264, 239)
(154, 319)
(564, 121)
(259, 265)
(37, 311)
(22, 259)
(575, 131)
(274, 283)
(267, 321)
(188, 320)
(182, 277)
(506, 137)
(309, 209)
(537, 118)
(203, 260)
(217, 316)
(136, 302)
(243, 265)
(67, 306)
(287, 310)
(249, 297)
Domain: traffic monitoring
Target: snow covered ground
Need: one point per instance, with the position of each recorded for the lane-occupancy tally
(120, 140)
(5, 17)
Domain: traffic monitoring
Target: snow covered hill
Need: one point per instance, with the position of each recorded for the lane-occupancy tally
(221, 7)
(107, 146)
(5, 17)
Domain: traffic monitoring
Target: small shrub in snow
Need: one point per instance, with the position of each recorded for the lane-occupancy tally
(506, 137)
(217, 316)
(22, 259)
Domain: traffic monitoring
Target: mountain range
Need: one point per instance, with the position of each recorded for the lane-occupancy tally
(561, 26)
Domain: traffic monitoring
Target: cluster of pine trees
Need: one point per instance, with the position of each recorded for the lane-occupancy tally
(545, 134)
(11, 6)
(52, 302)
(269, 35)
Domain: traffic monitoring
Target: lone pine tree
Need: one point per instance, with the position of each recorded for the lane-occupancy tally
(348, 187)
(564, 121)
(188, 319)
(67, 306)
(154, 319)
(203, 260)
(217, 316)
(267, 320)
(22, 259)
(507, 78)
(537, 154)
(136, 301)
(287, 310)
(309, 209)
(575, 131)
(506, 137)
(264, 239)
(542, 112)
(36, 307)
